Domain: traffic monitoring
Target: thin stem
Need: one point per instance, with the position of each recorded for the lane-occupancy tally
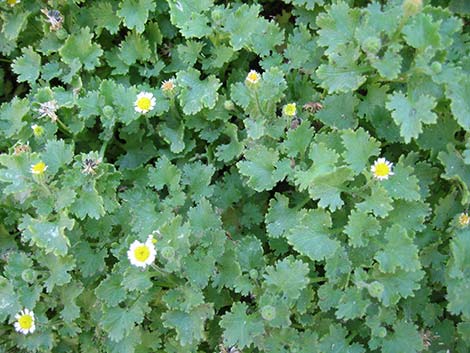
(347, 280)
(317, 279)
(44, 186)
(103, 149)
(258, 104)
(174, 108)
(63, 127)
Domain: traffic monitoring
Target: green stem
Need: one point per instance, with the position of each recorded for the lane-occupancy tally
(63, 127)
(317, 279)
(158, 269)
(258, 104)
(44, 186)
(347, 280)
(174, 109)
(103, 149)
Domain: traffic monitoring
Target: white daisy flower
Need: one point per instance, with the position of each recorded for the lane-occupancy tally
(142, 254)
(13, 2)
(464, 219)
(25, 322)
(382, 169)
(38, 168)
(253, 77)
(144, 102)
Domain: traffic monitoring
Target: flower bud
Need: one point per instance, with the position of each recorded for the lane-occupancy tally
(228, 105)
(61, 34)
(268, 312)
(412, 7)
(382, 332)
(168, 252)
(253, 274)
(371, 45)
(28, 275)
(436, 67)
(375, 289)
(108, 111)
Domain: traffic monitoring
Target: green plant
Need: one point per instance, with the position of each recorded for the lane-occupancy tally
(191, 176)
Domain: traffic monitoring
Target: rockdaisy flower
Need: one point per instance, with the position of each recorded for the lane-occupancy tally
(168, 85)
(253, 77)
(37, 130)
(142, 254)
(382, 169)
(464, 219)
(38, 168)
(13, 2)
(290, 109)
(25, 322)
(144, 102)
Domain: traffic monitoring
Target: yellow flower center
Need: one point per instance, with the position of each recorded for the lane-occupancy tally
(464, 219)
(12, 2)
(39, 168)
(141, 253)
(253, 77)
(290, 109)
(382, 170)
(144, 103)
(25, 321)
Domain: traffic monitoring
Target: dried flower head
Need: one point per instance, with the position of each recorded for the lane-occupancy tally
(168, 85)
(48, 109)
(89, 166)
(312, 107)
(21, 148)
(54, 17)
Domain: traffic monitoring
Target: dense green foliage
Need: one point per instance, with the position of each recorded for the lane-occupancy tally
(274, 231)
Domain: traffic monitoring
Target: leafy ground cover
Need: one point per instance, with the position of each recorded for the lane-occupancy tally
(205, 176)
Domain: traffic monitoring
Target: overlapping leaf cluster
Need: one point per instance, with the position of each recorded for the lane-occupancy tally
(272, 233)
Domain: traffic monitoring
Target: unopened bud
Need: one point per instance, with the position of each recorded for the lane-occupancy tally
(168, 252)
(228, 104)
(412, 7)
(253, 274)
(268, 312)
(436, 67)
(108, 111)
(375, 289)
